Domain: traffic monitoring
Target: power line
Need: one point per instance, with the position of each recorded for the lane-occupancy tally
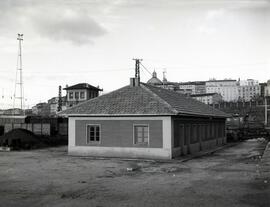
(146, 69)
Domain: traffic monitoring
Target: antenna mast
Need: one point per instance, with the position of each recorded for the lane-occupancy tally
(20, 81)
(137, 67)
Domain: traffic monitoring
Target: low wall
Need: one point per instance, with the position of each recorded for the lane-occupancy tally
(126, 152)
(193, 148)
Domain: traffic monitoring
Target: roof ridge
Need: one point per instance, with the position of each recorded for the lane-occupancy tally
(158, 98)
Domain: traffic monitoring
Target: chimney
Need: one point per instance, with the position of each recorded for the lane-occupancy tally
(137, 81)
(134, 82)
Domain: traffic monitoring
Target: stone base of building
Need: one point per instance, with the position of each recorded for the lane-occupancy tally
(124, 152)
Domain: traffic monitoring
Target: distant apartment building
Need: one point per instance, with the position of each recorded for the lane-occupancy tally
(194, 87)
(49, 108)
(54, 104)
(227, 88)
(81, 92)
(248, 89)
(41, 109)
(207, 98)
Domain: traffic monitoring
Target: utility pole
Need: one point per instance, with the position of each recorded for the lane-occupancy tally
(265, 111)
(19, 70)
(137, 67)
(265, 106)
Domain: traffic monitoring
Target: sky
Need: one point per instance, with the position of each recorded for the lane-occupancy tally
(94, 41)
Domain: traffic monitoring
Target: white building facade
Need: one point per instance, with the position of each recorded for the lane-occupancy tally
(248, 89)
(227, 88)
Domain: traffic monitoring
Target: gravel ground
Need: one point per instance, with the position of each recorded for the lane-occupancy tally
(234, 176)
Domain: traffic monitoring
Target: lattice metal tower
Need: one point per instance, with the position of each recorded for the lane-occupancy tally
(19, 80)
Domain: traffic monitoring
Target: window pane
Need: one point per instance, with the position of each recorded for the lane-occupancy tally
(97, 138)
(139, 129)
(92, 138)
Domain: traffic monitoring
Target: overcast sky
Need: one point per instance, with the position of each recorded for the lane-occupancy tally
(94, 41)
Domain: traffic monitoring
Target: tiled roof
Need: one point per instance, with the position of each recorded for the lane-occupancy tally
(142, 100)
(82, 86)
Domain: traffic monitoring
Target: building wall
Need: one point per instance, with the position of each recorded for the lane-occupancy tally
(188, 88)
(249, 89)
(119, 133)
(116, 139)
(195, 134)
(228, 89)
(194, 87)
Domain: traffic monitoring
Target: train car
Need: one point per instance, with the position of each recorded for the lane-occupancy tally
(243, 127)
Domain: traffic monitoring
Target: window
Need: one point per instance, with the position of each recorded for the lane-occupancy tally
(70, 95)
(141, 134)
(82, 95)
(93, 133)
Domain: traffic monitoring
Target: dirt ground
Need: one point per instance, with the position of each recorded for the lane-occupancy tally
(49, 177)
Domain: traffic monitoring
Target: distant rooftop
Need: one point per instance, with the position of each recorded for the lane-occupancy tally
(83, 86)
(225, 80)
(192, 83)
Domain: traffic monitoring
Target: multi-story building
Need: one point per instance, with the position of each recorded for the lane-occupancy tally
(227, 88)
(207, 98)
(248, 89)
(195, 87)
(50, 108)
(81, 92)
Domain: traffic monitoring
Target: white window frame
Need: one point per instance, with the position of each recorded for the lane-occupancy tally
(93, 142)
(134, 137)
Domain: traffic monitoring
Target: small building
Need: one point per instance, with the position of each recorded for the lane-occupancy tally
(192, 87)
(207, 98)
(143, 121)
(81, 92)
